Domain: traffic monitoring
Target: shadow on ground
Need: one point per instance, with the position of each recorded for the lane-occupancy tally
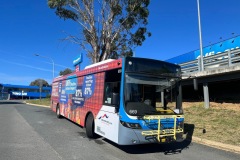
(169, 148)
(2, 102)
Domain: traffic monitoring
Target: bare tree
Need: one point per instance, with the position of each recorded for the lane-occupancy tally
(110, 28)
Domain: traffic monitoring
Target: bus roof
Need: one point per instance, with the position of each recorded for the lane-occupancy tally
(99, 63)
(94, 68)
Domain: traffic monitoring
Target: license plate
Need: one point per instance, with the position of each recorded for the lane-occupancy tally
(167, 131)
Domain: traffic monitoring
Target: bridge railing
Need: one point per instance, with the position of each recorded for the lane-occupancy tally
(219, 60)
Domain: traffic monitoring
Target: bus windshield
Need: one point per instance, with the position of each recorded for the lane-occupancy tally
(147, 94)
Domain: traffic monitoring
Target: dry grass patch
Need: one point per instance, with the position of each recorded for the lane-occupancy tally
(44, 101)
(221, 123)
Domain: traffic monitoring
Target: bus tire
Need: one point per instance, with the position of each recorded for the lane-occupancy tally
(58, 112)
(90, 126)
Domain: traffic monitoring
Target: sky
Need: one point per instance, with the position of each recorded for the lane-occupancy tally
(29, 27)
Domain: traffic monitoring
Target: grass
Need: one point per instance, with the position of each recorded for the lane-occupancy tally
(44, 101)
(221, 125)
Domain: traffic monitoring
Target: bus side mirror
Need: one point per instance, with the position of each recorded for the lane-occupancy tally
(115, 101)
(195, 84)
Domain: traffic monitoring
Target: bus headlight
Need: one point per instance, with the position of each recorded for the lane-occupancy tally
(131, 125)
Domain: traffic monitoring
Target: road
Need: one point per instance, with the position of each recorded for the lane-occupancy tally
(34, 133)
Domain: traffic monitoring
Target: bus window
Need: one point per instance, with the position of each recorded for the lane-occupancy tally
(150, 94)
(112, 85)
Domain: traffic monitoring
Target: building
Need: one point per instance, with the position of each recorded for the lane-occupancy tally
(9, 91)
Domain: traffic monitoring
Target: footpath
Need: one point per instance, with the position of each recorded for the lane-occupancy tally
(218, 145)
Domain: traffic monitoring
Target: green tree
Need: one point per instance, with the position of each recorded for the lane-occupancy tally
(37, 82)
(109, 28)
(66, 71)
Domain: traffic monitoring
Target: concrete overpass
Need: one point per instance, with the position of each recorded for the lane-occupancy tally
(222, 69)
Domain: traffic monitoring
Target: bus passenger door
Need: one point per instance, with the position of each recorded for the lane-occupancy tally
(107, 120)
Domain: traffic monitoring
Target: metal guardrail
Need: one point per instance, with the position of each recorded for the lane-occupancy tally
(219, 60)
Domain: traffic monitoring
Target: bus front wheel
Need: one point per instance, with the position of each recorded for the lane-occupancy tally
(90, 126)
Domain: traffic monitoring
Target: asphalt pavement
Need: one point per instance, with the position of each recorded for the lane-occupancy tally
(19, 140)
(31, 132)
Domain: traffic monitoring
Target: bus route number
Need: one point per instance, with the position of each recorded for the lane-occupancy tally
(133, 111)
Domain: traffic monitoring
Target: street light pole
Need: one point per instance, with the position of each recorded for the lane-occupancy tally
(205, 85)
(200, 36)
(47, 58)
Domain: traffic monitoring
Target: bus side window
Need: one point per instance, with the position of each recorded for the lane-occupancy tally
(112, 85)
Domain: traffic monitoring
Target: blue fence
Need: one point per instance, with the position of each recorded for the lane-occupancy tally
(224, 46)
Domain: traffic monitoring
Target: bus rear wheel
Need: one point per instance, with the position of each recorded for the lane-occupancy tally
(58, 112)
(90, 126)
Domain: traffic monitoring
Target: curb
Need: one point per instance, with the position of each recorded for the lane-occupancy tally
(214, 144)
(39, 105)
(218, 145)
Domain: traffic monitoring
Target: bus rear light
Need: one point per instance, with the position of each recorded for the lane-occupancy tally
(131, 125)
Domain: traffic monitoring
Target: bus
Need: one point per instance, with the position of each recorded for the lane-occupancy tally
(128, 101)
